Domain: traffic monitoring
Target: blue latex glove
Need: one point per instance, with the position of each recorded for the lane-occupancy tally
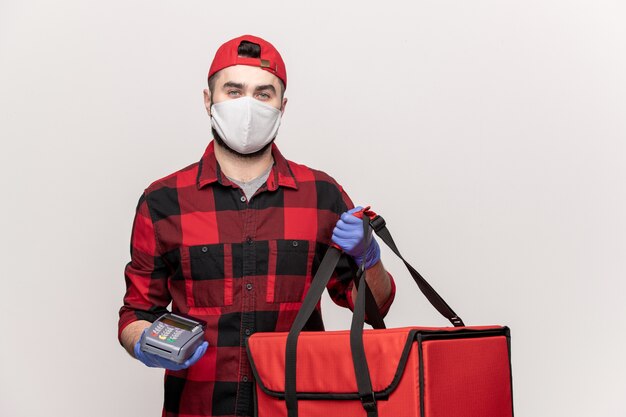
(348, 235)
(154, 361)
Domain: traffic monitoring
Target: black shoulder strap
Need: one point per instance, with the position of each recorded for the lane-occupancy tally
(379, 226)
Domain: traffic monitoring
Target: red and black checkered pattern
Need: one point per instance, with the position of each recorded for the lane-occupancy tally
(242, 266)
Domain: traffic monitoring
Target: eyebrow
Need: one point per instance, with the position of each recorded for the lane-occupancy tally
(233, 85)
(263, 87)
(266, 87)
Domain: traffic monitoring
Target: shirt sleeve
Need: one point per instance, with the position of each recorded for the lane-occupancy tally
(146, 275)
(341, 282)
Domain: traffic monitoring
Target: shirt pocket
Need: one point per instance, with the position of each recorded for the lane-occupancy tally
(208, 281)
(290, 272)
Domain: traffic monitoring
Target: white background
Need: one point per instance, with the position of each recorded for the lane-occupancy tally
(490, 135)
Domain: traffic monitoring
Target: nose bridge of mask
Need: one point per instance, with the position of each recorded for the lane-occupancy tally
(247, 103)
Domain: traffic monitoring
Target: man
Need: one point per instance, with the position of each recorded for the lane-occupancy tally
(236, 238)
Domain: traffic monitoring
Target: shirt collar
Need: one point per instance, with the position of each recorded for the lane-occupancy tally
(209, 170)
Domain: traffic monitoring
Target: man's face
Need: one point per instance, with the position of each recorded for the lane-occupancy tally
(239, 81)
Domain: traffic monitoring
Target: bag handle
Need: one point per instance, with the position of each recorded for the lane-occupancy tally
(324, 272)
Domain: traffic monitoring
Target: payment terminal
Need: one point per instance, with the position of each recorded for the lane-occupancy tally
(174, 337)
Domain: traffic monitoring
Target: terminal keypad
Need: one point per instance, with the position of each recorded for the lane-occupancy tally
(165, 332)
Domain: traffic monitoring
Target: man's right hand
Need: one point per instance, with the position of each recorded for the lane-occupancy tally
(155, 361)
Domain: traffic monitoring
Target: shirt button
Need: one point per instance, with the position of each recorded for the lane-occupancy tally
(248, 332)
(294, 243)
(249, 287)
(204, 249)
(244, 379)
(243, 199)
(249, 240)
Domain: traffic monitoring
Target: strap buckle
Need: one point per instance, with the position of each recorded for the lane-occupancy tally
(368, 401)
(377, 223)
(457, 322)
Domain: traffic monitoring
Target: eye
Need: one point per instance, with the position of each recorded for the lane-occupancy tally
(233, 93)
(263, 96)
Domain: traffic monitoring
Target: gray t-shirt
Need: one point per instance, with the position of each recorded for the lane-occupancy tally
(250, 187)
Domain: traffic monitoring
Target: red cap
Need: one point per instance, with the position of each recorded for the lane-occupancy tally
(270, 60)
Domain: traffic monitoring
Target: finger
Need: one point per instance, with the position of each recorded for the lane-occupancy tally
(347, 236)
(350, 218)
(189, 362)
(346, 226)
(171, 365)
(343, 227)
(356, 209)
(202, 349)
(197, 354)
(142, 356)
(348, 233)
(151, 360)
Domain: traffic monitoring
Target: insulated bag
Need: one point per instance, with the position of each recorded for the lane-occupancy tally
(458, 371)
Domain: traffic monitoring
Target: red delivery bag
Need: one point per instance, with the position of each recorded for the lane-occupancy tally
(459, 371)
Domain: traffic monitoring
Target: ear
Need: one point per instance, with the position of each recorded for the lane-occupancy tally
(284, 105)
(207, 101)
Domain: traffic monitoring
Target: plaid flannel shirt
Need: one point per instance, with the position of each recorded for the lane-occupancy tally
(242, 266)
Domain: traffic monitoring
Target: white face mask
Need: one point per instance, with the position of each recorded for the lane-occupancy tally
(245, 124)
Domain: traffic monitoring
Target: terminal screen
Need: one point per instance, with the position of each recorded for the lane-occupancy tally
(177, 323)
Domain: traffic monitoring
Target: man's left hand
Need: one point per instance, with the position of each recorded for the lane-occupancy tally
(348, 235)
